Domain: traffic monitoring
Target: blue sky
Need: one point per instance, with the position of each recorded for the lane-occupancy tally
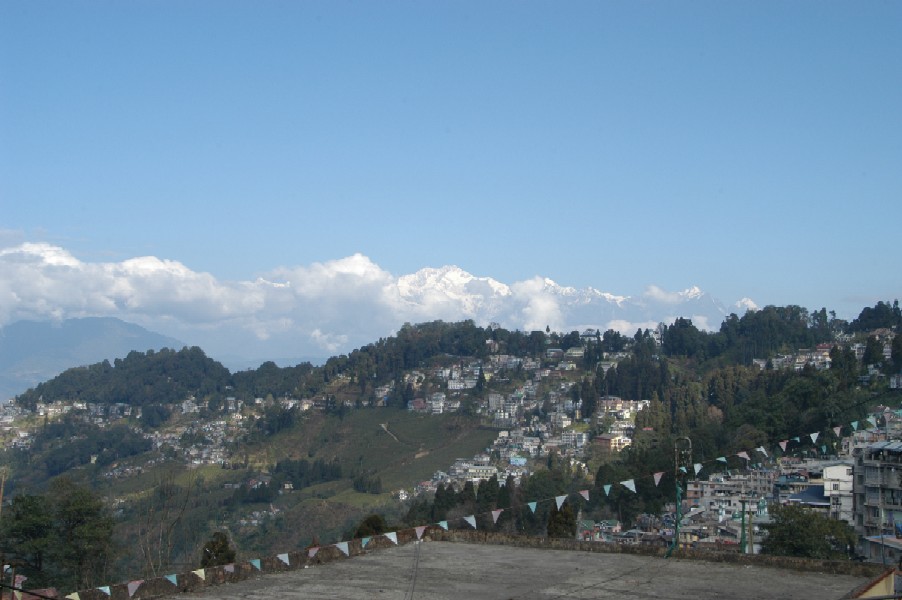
(753, 149)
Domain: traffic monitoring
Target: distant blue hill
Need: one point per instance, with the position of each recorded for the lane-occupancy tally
(34, 351)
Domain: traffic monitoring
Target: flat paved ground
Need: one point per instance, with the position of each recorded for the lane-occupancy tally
(445, 570)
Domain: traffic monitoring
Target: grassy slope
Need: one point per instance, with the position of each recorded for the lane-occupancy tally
(413, 448)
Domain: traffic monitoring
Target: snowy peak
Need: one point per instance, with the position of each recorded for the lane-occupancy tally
(451, 281)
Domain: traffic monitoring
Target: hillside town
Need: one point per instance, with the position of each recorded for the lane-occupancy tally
(538, 415)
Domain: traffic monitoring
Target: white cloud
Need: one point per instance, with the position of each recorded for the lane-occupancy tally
(540, 308)
(309, 310)
(747, 304)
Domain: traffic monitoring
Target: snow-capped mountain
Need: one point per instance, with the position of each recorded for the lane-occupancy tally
(524, 305)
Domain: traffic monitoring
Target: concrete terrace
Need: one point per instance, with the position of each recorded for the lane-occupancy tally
(434, 570)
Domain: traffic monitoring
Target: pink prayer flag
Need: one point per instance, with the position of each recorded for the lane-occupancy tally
(743, 454)
(312, 551)
(496, 514)
(584, 494)
(133, 586)
(658, 477)
(420, 531)
(837, 430)
(783, 445)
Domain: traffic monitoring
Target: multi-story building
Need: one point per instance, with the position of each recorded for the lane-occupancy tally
(877, 493)
(838, 490)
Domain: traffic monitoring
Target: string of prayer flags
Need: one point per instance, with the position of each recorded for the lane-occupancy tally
(814, 437)
(105, 589)
(584, 494)
(532, 506)
(173, 579)
(629, 484)
(133, 586)
(471, 520)
(443, 525)
(657, 477)
(393, 536)
(419, 530)
(560, 500)
(496, 514)
(200, 573)
(343, 547)
(283, 558)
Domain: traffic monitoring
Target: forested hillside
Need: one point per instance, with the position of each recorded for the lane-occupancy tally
(180, 445)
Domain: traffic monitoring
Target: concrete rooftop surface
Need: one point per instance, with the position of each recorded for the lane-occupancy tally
(459, 571)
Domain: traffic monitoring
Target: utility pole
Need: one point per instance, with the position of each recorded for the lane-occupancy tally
(682, 459)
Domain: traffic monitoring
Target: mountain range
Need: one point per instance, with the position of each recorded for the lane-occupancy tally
(33, 351)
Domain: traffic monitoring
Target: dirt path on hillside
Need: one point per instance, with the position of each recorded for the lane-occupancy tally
(385, 427)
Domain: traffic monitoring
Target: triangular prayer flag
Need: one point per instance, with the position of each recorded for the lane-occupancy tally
(683, 469)
(173, 579)
(200, 573)
(105, 589)
(584, 494)
(471, 520)
(343, 546)
(837, 430)
(814, 437)
(364, 542)
(855, 425)
(311, 552)
(443, 525)
(560, 500)
(629, 484)
(532, 506)
(393, 536)
(255, 562)
(420, 530)
(783, 444)
(761, 450)
(743, 454)
(697, 467)
(607, 490)
(133, 586)
(73, 596)
(496, 514)
(658, 477)
(722, 459)
(796, 439)
(229, 568)
(283, 558)
(824, 448)
(872, 421)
